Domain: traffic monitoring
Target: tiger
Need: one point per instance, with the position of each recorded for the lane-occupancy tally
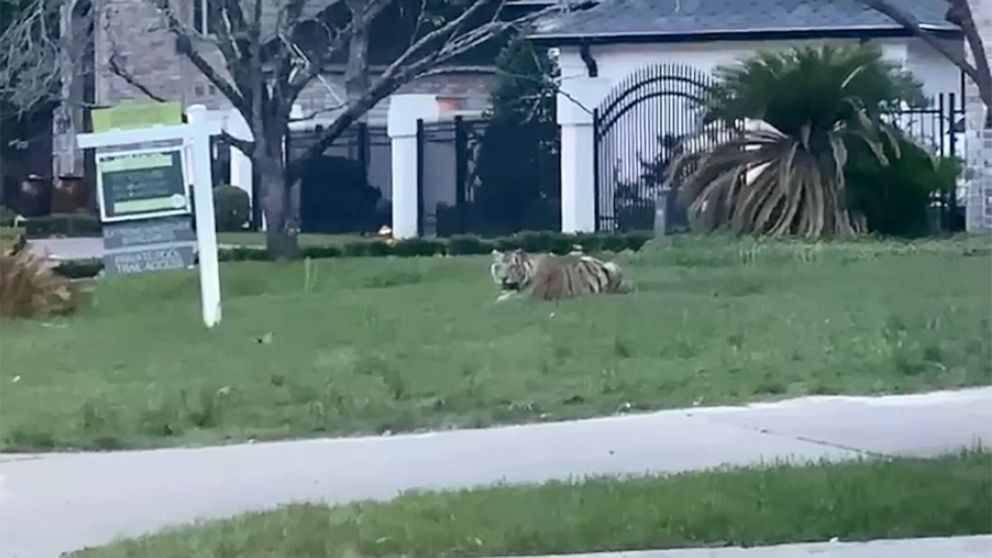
(551, 277)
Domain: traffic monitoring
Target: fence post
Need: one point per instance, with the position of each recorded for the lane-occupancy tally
(661, 212)
(595, 166)
(420, 177)
(461, 161)
(952, 202)
(363, 146)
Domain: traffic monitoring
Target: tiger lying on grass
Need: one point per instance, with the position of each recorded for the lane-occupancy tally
(551, 277)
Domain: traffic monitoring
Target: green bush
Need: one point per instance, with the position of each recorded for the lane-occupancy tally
(418, 247)
(462, 245)
(7, 216)
(895, 198)
(466, 244)
(232, 208)
(79, 269)
(69, 224)
(242, 254)
(321, 252)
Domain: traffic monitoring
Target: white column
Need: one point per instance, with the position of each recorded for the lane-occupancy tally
(241, 172)
(579, 96)
(404, 111)
(241, 167)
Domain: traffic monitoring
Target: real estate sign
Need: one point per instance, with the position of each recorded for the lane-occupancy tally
(141, 184)
(144, 193)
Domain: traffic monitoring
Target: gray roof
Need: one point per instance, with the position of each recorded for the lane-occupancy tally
(659, 19)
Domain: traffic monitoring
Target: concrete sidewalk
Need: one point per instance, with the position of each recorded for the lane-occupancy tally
(57, 502)
(955, 547)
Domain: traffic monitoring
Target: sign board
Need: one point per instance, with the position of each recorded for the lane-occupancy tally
(156, 258)
(132, 116)
(139, 184)
(144, 196)
(148, 245)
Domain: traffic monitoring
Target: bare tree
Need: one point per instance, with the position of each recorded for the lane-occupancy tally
(45, 57)
(960, 14)
(272, 49)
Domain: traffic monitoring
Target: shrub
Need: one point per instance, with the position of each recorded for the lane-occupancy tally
(418, 247)
(7, 216)
(465, 244)
(637, 216)
(79, 269)
(320, 252)
(29, 288)
(556, 242)
(895, 199)
(817, 103)
(232, 208)
(335, 197)
(242, 254)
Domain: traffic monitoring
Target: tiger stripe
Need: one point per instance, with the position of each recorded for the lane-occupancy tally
(553, 277)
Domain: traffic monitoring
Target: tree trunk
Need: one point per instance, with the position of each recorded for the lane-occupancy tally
(280, 234)
(356, 77)
(67, 119)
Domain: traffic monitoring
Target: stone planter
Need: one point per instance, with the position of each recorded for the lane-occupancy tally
(70, 195)
(34, 197)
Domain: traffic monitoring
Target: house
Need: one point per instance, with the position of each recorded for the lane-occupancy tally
(130, 38)
(629, 69)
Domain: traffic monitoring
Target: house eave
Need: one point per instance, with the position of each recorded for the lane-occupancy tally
(570, 39)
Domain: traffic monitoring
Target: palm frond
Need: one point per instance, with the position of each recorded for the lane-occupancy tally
(789, 177)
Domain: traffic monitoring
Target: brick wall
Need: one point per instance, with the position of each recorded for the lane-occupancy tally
(979, 201)
(147, 50)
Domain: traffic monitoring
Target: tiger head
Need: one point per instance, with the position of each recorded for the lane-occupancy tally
(511, 270)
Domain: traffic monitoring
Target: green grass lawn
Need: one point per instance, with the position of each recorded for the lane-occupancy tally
(369, 345)
(771, 505)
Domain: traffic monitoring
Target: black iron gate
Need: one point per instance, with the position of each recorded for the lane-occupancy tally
(648, 120)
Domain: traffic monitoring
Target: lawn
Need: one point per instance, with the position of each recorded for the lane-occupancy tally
(369, 345)
(775, 504)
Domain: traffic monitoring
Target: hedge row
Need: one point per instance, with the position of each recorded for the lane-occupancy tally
(66, 224)
(460, 245)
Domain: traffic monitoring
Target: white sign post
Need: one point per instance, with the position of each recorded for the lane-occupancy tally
(195, 137)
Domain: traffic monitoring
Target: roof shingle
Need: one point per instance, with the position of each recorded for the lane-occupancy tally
(661, 18)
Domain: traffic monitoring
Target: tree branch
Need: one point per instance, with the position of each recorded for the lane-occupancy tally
(184, 45)
(909, 22)
(958, 13)
(408, 67)
(113, 63)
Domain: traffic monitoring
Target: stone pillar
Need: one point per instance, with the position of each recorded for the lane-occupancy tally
(978, 205)
(579, 96)
(978, 202)
(404, 111)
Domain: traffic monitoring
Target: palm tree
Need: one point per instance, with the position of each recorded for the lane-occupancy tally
(793, 116)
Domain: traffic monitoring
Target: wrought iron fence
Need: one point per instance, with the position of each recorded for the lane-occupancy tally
(347, 190)
(487, 177)
(639, 129)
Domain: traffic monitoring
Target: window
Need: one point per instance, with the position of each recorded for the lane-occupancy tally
(201, 17)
